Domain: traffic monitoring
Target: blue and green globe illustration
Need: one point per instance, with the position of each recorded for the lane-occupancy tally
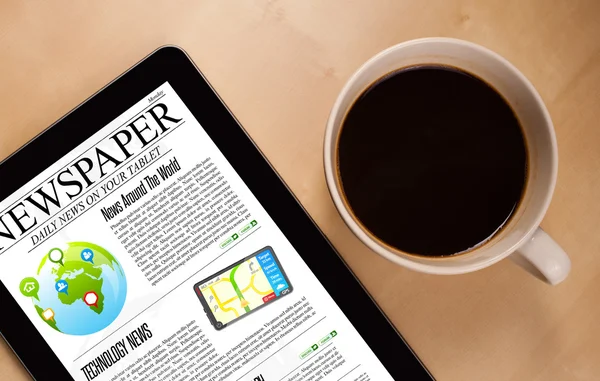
(79, 290)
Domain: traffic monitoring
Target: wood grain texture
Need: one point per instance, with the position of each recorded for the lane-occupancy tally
(279, 65)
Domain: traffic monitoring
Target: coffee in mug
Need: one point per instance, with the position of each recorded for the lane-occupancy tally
(432, 160)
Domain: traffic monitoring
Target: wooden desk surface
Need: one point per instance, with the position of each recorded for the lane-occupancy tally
(279, 65)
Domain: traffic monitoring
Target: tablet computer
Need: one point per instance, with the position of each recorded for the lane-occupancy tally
(126, 222)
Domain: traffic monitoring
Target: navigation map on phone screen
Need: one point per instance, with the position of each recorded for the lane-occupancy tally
(243, 287)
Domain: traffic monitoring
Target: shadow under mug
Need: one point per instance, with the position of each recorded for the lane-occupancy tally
(522, 237)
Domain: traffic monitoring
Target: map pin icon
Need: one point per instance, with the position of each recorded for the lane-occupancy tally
(56, 255)
(87, 255)
(62, 286)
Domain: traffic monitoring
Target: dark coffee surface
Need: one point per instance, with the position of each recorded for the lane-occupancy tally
(432, 160)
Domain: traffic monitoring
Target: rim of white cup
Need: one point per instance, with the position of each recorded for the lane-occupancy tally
(349, 220)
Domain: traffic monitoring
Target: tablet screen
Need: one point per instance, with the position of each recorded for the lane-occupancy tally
(142, 255)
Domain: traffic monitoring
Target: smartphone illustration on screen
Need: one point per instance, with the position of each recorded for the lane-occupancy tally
(243, 288)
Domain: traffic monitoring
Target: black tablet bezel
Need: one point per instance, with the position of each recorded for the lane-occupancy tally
(171, 64)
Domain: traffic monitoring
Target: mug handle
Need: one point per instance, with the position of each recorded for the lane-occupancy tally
(543, 257)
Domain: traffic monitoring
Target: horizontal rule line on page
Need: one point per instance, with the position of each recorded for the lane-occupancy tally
(100, 183)
(353, 369)
(170, 291)
(84, 152)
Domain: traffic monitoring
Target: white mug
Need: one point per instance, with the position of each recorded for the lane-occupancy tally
(522, 238)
